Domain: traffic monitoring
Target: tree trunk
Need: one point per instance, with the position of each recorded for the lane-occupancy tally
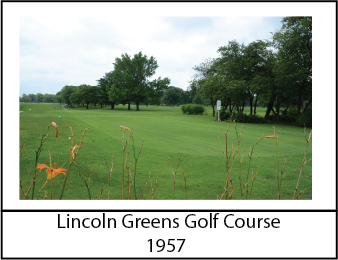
(243, 106)
(128, 105)
(87, 105)
(112, 105)
(270, 106)
(251, 99)
(137, 106)
(237, 107)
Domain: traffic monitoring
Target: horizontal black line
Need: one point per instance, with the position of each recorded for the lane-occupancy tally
(166, 210)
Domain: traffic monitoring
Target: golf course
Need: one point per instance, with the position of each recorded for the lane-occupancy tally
(159, 153)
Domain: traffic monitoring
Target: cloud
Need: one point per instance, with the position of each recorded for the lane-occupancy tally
(55, 51)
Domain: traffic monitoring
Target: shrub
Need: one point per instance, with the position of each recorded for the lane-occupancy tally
(224, 115)
(193, 109)
(292, 112)
(243, 118)
(305, 118)
(184, 108)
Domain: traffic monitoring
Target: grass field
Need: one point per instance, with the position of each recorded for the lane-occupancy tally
(167, 132)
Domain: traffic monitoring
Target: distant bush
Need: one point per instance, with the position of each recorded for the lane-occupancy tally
(224, 115)
(243, 118)
(192, 109)
(292, 112)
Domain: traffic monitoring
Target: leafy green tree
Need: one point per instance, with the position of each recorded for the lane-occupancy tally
(39, 97)
(76, 97)
(209, 90)
(156, 90)
(294, 66)
(132, 75)
(197, 99)
(192, 89)
(185, 97)
(66, 93)
(114, 94)
(95, 96)
(105, 83)
(254, 58)
(88, 94)
(48, 98)
(209, 82)
(33, 97)
(172, 96)
(58, 98)
(25, 98)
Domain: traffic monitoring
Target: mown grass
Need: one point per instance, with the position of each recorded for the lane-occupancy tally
(167, 132)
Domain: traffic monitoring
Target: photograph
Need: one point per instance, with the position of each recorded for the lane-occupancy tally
(166, 108)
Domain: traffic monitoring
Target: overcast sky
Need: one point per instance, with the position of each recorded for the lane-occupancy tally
(57, 51)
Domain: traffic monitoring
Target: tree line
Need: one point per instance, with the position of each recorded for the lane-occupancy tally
(275, 73)
(42, 98)
(129, 83)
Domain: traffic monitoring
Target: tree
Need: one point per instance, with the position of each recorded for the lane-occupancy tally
(255, 56)
(105, 83)
(76, 97)
(88, 94)
(172, 96)
(26, 98)
(192, 89)
(48, 98)
(156, 90)
(114, 94)
(95, 93)
(209, 90)
(209, 82)
(294, 45)
(66, 92)
(39, 97)
(58, 98)
(197, 99)
(33, 97)
(132, 75)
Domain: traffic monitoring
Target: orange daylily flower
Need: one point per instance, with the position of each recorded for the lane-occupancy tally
(56, 128)
(124, 127)
(51, 172)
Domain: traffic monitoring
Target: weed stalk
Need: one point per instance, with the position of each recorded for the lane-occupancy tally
(174, 173)
(303, 163)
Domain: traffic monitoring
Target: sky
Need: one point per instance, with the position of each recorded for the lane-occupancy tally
(57, 51)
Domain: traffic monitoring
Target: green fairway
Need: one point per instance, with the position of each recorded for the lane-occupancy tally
(167, 133)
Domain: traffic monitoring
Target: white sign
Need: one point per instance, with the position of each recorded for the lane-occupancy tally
(218, 104)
